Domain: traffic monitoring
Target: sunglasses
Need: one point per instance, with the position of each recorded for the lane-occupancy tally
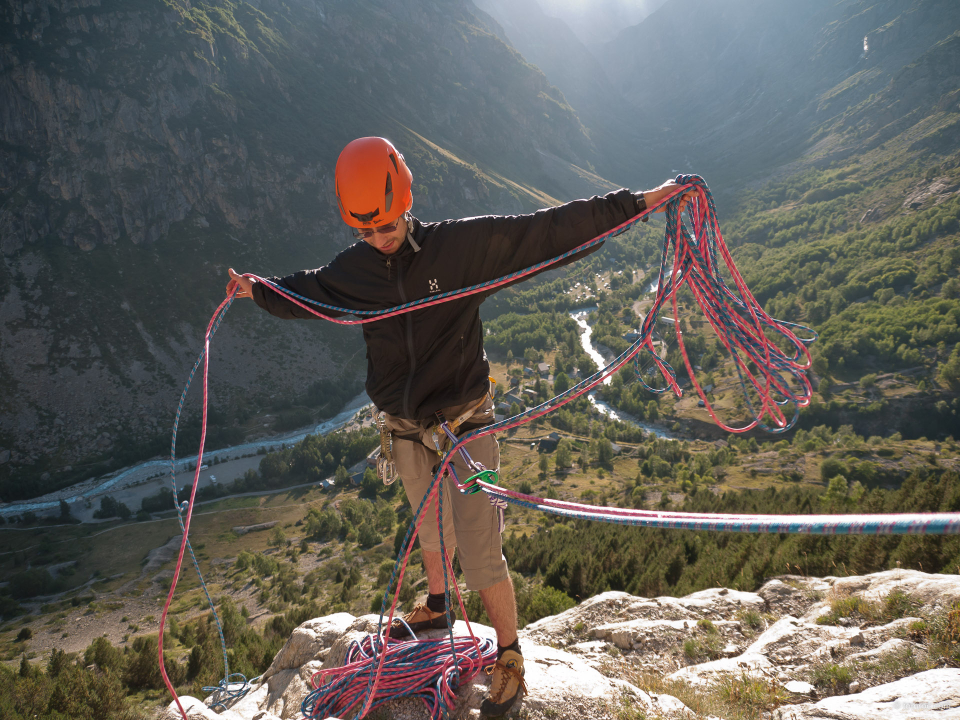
(383, 230)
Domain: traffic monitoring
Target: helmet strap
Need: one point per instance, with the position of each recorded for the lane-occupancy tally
(407, 217)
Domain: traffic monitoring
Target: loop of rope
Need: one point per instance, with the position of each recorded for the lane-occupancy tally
(770, 378)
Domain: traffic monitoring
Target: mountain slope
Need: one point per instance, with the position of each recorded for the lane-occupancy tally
(150, 144)
(616, 126)
(738, 87)
(597, 21)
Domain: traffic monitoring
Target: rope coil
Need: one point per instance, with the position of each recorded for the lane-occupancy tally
(770, 377)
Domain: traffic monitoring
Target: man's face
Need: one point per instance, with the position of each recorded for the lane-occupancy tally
(389, 243)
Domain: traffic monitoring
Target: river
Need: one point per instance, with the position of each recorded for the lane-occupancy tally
(153, 468)
(580, 316)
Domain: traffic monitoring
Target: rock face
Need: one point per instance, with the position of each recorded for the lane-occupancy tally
(557, 680)
(930, 695)
(187, 138)
(617, 652)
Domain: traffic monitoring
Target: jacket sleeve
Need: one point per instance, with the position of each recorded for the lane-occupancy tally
(326, 284)
(500, 245)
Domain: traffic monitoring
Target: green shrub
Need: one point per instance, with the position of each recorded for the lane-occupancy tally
(367, 536)
(831, 467)
(896, 605)
(142, 672)
(104, 655)
(750, 695)
(704, 647)
(707, 625)
(264, 565)
(899, 604)
(918, 630)
(847, 607)
(30, 583)
(831, 677)
(751, 618)
(244, 560)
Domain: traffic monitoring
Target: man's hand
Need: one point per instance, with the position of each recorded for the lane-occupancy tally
(244, 285)
(652, 197)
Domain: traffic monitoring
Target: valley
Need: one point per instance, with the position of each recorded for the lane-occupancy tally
(147, 146)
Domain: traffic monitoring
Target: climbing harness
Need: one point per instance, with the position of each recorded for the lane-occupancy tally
(771, 363)
(387, 467)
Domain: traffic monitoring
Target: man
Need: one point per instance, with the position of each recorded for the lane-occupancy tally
(431, 360)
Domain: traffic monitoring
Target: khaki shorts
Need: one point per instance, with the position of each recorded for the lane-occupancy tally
(470, 522)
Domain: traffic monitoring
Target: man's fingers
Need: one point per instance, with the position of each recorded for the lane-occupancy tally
(239, 284)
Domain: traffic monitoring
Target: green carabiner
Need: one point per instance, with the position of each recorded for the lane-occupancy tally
(488, 476)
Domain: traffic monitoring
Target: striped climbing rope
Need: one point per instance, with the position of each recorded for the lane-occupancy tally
(694, 256)
(771, 363)
(434, 668)
(888, 524)
(427, 669)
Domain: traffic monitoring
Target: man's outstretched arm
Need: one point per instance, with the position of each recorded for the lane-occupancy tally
(306, 283)
(500, 245)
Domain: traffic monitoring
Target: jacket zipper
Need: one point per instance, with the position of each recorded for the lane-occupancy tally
(388, 269)
(413, 358)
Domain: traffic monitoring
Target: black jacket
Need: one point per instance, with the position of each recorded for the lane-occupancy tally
(428, 359)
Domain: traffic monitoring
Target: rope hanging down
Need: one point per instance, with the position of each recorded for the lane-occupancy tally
(770, 377)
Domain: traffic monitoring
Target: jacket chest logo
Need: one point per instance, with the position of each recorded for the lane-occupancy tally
(434, 288)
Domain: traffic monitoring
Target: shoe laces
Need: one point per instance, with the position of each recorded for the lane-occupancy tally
(417, 610)
(507, 673)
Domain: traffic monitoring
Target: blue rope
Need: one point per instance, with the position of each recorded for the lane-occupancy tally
(405, 658)
(903, 524)
(455, 680)
(223, 691)
(709, 285)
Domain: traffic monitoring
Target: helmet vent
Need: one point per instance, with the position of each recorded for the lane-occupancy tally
(366, 217)
(388, 192)
(393, 159)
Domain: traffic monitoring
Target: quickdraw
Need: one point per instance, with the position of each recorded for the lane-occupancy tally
(386, 467)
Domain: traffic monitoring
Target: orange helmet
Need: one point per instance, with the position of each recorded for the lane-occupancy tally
(373, 183)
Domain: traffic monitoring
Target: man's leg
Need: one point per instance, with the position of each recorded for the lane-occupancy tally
(499, 600)
(433, 566)
(506, 682)
(501, 605)
(485, 570)
(415, 466)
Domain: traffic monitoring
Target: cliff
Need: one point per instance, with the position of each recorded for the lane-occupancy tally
(858, 647)
(148, 145)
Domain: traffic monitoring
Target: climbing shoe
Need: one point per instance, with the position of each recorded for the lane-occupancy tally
(505, 685)
(420, 618)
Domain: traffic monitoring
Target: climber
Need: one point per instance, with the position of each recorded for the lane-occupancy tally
(429, 365)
